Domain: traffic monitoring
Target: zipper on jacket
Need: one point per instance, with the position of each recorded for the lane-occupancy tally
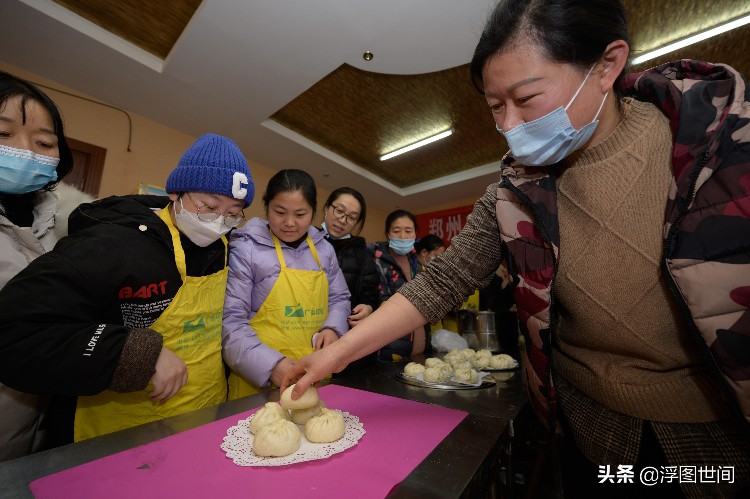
(672, 285)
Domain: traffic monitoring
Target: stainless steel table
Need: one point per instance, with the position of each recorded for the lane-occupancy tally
(467, 463)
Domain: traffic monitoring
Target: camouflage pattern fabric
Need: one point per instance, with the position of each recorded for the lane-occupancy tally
(706, 261)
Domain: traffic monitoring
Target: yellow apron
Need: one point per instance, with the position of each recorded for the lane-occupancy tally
(450, 321)
(191, 327)
(291, 314)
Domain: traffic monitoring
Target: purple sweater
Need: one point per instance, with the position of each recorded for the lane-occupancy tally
(253, 270)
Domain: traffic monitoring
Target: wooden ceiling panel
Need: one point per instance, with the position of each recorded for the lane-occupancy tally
(361, 115)
(153, 25)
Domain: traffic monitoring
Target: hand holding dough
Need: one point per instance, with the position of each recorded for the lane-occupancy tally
(307, 400)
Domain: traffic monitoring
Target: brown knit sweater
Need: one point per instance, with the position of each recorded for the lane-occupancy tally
(619, 338)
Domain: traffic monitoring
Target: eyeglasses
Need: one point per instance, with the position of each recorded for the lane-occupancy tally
(211, 214)
(338, 212)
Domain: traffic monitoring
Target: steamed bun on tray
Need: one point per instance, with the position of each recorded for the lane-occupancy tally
(280, 438)
(502, 361)
(307, 400)
(278, 427)
(300, 416)
(270, 412)
(326, 427)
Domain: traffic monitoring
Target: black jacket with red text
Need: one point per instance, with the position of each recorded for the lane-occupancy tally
(75, 321)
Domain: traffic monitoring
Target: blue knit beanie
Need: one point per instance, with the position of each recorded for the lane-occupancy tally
(213, 164)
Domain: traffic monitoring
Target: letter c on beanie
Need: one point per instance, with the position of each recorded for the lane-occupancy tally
(213, 164)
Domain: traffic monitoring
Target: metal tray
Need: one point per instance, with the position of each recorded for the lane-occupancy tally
(448, 385)
(504, 370)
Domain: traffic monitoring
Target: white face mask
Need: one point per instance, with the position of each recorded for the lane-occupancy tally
(323, 225)
(200, 232)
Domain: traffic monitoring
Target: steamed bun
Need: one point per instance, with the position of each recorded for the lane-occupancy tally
(413, 369)
(326, 427)
(479, 361)
(468, 353)
(433, 362)
(270, 412)
(466, 375)
(277, 439)
(300, 416)
(435, 375)
(460, 363)
(307, 400)
(502, 361)
(454, 356)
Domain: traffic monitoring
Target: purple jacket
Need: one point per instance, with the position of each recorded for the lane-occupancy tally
(253, 270)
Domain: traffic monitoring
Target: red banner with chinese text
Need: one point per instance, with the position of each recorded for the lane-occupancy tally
(445, 224)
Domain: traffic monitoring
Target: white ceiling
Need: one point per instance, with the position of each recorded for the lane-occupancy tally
(239, 61)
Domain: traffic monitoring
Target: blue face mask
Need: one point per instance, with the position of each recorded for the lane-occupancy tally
(549, 139)
(23, 171)
(401, 246)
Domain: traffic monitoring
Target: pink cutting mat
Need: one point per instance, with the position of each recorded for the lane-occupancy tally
(400, 434)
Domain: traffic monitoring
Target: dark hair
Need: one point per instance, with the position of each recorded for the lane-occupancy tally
(289, 181)
(398, 214)
(568, 31)
(360, 199)
(12, 86)
(430, 242)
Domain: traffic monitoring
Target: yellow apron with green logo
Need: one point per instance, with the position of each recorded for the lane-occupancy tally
(191, 327)
(291, 314)
(450, 321)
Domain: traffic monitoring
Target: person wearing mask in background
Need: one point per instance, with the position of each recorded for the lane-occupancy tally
(34, 209)
(397, 264)
(344, 214)
(621, 211)
(427, 248)
(122, 319)
(286, 295)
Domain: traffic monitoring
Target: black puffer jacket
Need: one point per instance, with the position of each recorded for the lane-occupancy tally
(75, 321)
(359, 270)
(362, 278)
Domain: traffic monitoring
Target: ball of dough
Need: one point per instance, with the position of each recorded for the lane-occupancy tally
(413, 369)
(433, 362)
(269, 413)
(461, 363)
(307, 400)
(480, 361)
(502, 361)
(485, 352)
(447, 369)
(300, 416)
(466, 375)
(326, 427)
(277, 439)
(468, 353)
(435, 375)
(454, 356)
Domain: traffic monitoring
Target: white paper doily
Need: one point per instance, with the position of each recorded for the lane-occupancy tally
(238, 444)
